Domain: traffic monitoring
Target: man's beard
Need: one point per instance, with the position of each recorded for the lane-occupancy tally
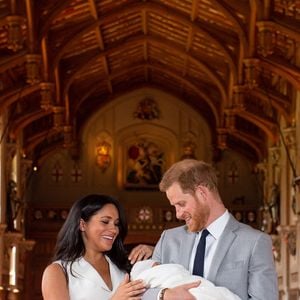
(199, 218)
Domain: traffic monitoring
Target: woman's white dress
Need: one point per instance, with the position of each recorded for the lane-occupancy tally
(87, 284)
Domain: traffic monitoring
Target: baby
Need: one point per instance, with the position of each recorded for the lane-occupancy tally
(172, 275)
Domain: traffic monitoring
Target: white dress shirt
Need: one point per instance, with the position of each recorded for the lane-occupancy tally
(215, 229)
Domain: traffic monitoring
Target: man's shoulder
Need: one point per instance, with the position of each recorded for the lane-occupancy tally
(177, 230)
(247, 230)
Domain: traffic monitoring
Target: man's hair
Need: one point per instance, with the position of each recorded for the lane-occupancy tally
(189, 174)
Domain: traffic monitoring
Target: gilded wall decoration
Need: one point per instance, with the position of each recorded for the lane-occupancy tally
(291, 242)
(144, 166)
(188, 150)
(144, 215)
(147, 109)
(276, 247)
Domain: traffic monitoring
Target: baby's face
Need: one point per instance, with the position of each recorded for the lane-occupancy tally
(155, 264)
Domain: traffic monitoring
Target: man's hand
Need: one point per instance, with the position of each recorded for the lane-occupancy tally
(181, 292)
(140, 252)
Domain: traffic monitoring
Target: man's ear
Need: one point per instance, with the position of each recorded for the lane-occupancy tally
(201, 191)
(82, 225)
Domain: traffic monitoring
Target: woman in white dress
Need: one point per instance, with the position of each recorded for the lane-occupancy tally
(90, 261)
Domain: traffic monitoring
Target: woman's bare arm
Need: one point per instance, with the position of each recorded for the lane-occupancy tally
(54, 283)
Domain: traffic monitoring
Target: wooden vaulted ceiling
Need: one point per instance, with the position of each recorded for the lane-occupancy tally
(234, 61)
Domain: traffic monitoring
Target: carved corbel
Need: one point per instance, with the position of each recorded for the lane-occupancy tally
(33, 62)
(68, 137)
(2, 229)
(290, 137)
(274, 155)
(230, 119)
(46, 95)
(266, 39)
(15, 38)
(239, 96)
(222, 138)
(251, 72)
(58, 116)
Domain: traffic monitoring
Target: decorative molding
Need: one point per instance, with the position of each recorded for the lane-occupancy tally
(276, 241)
(289, 236)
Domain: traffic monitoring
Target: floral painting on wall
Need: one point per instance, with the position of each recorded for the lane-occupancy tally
(145, 163)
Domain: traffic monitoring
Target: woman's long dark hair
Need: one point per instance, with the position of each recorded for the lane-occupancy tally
(70, 246)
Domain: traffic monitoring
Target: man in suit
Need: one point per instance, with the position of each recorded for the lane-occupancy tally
(237, 256)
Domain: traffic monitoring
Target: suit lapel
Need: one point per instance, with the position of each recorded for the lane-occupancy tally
(186, 246)
(226, 239)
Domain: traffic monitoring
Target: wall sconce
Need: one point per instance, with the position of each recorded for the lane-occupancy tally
(103, 158)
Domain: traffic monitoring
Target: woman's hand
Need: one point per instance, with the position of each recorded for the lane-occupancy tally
(129, 290)
(140, 252)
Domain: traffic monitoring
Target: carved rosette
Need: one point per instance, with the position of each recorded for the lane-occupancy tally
(144, 215)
